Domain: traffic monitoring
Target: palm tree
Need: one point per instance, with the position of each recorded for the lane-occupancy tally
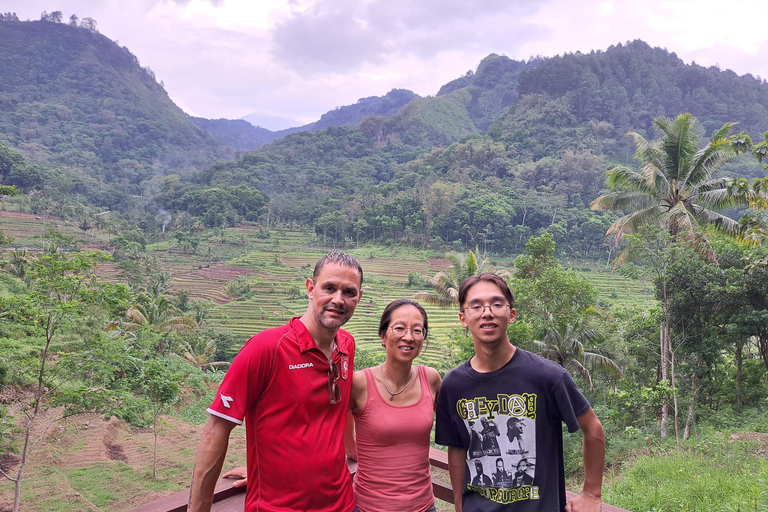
(564, 343)
(674, 189)
(445, 285)
(159, 313)
(18, 263)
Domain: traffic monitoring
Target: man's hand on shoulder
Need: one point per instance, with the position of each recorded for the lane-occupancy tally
(584, 503)
(241, 472)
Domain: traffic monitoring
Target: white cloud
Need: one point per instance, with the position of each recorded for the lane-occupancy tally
(301, 58)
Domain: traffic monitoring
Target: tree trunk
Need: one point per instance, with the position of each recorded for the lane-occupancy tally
(762, 347)
(154, 455)
(674, 399)
(739, 369)
(38, 397)
(664, 344)
(22, 465)
(692, 405)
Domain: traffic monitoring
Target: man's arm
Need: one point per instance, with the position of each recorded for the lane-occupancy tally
(208, 462)
(457, 459)
(593, 452)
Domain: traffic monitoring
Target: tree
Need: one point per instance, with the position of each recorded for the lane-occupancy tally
(545, 292)
(85, 224)
(565, 342)
(154, 310)
(60, 287)
(159, 314)
(5, 239)
(162, 386)
(674, 189)
(446, 284)
(695, 310)
(654, 247)
(9, 158)
(753, 227)
(17, 263)
(9, 190)
(541, 255)
(88, 24)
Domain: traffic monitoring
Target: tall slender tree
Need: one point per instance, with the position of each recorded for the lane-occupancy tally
(674, 187)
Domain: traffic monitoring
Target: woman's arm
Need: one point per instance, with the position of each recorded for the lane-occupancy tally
(434, 379)
(350, 442)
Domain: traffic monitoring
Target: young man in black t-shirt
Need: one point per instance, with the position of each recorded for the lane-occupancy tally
(499, 383)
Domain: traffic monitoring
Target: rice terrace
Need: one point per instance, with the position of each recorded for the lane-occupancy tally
(266, 275)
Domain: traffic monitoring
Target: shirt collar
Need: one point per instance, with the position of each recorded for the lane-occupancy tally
(307, 342)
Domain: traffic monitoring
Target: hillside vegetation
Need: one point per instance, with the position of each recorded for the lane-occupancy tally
(76, 102)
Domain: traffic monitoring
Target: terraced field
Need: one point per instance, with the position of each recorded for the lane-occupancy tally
(616, 291)
(27, 228)
(276, 267)
(276, 273)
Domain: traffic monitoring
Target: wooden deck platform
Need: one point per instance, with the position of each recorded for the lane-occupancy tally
(230, 499)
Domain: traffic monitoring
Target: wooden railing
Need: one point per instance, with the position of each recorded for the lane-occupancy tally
(232, 499)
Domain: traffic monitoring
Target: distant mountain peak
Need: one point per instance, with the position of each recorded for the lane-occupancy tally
(270, 122)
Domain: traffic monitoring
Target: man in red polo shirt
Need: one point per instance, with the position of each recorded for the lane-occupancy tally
(291, 385)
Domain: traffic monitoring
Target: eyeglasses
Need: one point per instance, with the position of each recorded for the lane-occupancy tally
(334, 390)
(417, 333)
(497, 309)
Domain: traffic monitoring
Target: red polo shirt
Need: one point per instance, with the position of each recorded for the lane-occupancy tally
(278, 383)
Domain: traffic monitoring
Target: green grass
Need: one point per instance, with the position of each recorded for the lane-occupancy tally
(720, 477)
(195, 411)
(99, 484)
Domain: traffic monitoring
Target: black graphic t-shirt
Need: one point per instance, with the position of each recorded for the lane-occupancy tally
(510, 423)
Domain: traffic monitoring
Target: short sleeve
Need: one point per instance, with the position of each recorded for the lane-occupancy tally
(245, 380)
(571, 403)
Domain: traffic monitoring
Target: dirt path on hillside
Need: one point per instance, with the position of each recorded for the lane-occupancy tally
(84, 441)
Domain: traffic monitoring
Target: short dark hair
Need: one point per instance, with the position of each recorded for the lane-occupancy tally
(489, 277)
(340, 258)
(386, 316)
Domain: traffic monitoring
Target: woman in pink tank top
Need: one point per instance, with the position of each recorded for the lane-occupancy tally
(392, 406)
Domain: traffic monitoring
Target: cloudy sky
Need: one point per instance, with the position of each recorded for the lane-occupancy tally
(290, 61)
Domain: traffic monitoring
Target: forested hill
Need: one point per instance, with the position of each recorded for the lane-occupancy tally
(512, 149)
(75, 100)
(604, 94)
(432, 174)
(242, 135)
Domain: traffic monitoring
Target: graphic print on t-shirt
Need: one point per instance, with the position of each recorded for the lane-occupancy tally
(501, 459)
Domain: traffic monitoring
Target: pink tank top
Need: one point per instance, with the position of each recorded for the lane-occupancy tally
(393, 452)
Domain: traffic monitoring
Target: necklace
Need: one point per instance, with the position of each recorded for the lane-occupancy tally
(391, 394)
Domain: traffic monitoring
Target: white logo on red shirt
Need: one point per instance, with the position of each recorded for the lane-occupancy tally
(299, 366)
(344, 367)
(225, 400)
